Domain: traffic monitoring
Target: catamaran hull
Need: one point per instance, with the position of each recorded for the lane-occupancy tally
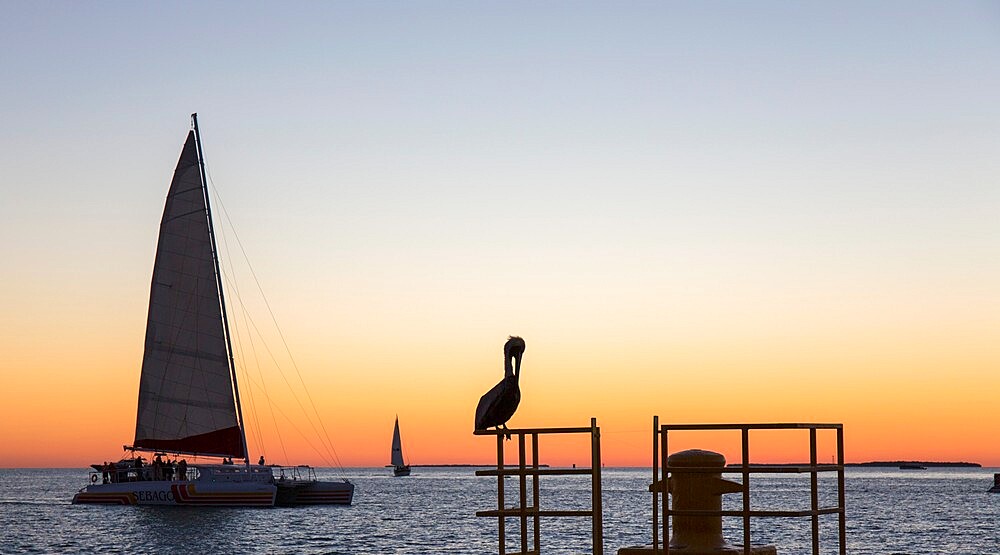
(314, 493)
(179, 493)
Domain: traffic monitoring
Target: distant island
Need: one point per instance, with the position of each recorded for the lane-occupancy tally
(906, 465)
(916, 464)
(871, 464)
(458, 466)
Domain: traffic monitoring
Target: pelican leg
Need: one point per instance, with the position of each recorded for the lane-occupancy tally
(505, 430)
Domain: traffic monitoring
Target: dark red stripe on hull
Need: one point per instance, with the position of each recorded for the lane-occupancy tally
(183, 496)
(229, 501)
(323, 499)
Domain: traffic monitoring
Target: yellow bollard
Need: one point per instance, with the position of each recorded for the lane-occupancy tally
(698, 491)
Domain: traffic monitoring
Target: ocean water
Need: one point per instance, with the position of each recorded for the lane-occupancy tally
(889, 511)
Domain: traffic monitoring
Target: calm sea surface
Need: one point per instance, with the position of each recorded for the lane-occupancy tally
(433, 511)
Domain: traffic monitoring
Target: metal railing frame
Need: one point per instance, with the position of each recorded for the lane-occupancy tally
(662, 471)
(523, 470)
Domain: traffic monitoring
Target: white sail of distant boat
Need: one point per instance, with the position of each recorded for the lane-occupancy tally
(399, 467)
(189, 400)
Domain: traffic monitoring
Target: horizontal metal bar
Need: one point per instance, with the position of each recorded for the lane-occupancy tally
(509, 511)
(782, 468)
(531, 511)
(525, 431)
(762, 426)
(754, 469)
(823, 511)
(514, 471)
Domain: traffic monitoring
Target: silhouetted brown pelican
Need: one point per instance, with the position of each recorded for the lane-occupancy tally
(498, 405)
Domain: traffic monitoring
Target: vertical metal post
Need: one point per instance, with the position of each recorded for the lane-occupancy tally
(664, 501)
(596, 504)
(841, 514)
(500, 497)
(656, 471)
(746, 489)
(814, 490)
(534, 486)
(523, 483)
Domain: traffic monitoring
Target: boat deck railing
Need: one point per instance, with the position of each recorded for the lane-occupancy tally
(525, 511)
(128, 472)
(121, 474)
(301, 473)
(233, 472)
(662, 471)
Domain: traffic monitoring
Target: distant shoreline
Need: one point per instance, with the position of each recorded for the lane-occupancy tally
(870, 464)
(457, 466)
(927, 464)
(877, 464)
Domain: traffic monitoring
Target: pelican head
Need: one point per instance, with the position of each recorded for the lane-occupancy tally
(513, 349)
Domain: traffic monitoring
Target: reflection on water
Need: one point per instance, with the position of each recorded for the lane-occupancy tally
(433, 511)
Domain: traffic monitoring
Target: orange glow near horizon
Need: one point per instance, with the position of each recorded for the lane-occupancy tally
(59, 417)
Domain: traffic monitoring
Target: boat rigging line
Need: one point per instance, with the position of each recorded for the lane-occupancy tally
(332, 455)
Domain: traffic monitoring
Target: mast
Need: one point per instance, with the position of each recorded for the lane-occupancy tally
(222, 296)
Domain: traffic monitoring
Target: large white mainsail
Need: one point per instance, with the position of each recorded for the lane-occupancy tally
(186, 402)
(397, 447)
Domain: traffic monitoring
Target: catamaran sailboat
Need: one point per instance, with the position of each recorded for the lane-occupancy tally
(189, 401)
(399, 468)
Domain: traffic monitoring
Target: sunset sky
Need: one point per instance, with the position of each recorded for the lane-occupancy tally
(706, 211)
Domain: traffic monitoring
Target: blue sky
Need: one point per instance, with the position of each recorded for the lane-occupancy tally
(725, 108)
(855, 129)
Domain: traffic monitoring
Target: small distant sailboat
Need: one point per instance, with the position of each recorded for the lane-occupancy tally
(399, 468)
(189, 401)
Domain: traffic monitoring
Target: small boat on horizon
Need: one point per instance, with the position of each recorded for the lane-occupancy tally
(399, 467)
(189, 400)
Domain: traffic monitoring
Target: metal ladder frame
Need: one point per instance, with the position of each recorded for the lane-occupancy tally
(661, 472)
(523, 470)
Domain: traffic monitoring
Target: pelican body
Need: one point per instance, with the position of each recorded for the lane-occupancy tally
(498, 404)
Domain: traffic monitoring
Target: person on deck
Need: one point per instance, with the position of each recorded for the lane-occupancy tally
(182, 468)
(261, 461)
